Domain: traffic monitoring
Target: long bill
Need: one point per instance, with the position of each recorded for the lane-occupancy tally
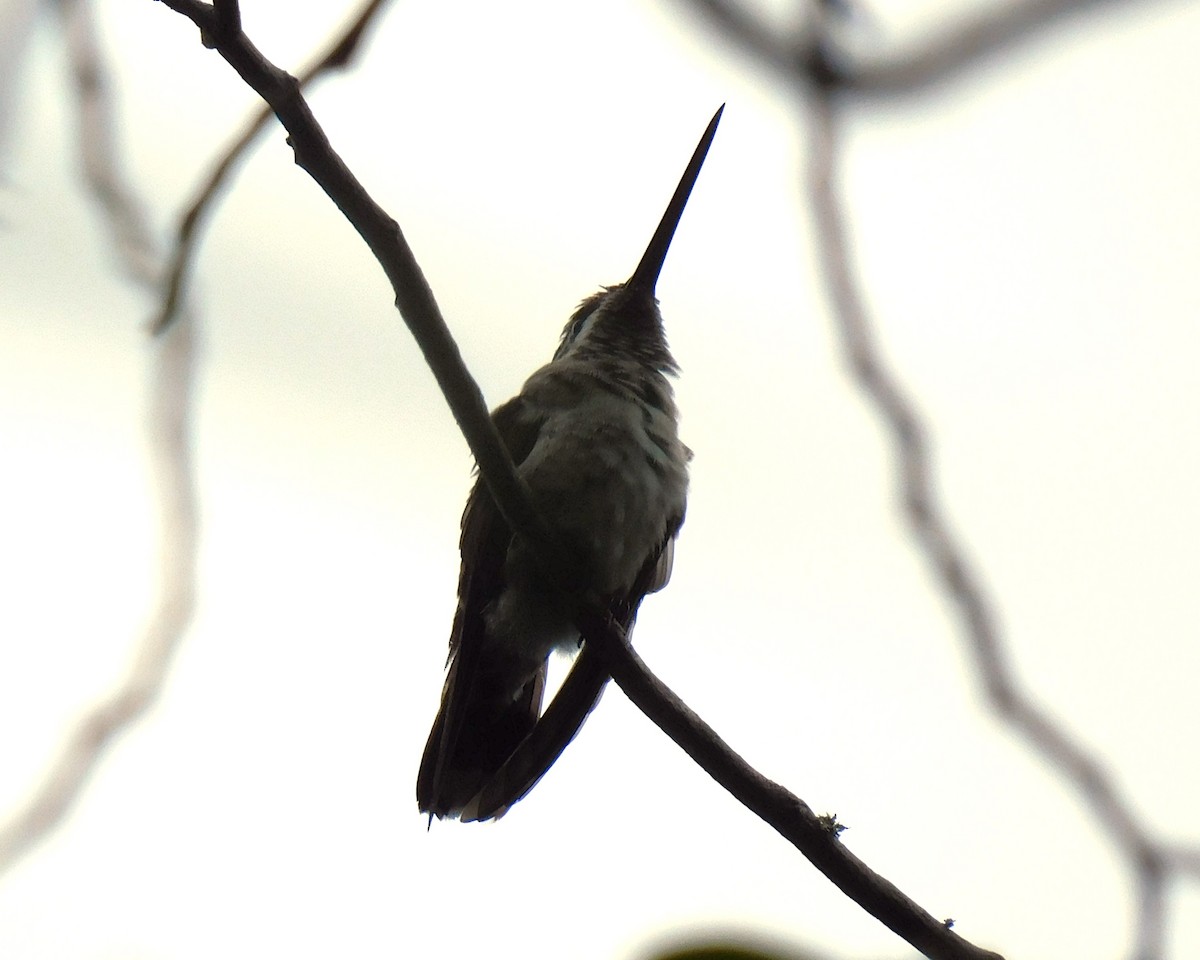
(645, 277)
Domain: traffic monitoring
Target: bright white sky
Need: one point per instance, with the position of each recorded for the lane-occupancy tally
(1029, 237)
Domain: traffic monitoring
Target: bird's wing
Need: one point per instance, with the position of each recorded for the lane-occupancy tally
(657, 576)
(484, 546)
(575, 699)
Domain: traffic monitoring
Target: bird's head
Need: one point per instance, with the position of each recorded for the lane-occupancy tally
(624, 320)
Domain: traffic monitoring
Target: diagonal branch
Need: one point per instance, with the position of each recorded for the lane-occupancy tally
(337, 56)
(384, 238)
(815, 837)
(417, 306)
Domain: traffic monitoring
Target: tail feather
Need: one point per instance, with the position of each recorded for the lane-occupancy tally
(519, 774)
(475, 732)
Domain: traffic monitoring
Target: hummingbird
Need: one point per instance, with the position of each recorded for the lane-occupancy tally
(594, 434)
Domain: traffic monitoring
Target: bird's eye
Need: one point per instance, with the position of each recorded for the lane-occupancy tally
(575, 330)
(579, 325)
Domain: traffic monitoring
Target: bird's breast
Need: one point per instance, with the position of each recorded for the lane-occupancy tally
(610, 473)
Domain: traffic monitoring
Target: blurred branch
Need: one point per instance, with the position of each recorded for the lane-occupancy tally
(951, 50)
(739, 26)
(1150, 861)
(926, 517)
(786, 813)
(121, 210)
(830, 84)
(16, 30)
(168, 437)
(338, 55)
(959, 46)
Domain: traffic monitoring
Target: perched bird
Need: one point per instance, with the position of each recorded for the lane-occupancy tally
(594, 435)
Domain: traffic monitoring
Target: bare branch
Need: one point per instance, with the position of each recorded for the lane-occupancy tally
(121, 209)
(942, 549)
(168, 437)
(420, 312)
(738, 25)
(830, 81)
(228, 19)
(338, 55)
(1184, 859)
(414, 299)
(956, 48)
(1150, 926)
(948, 53)
(790, 816)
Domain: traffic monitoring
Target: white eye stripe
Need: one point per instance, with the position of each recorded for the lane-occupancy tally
(584, 327)
(579, 330)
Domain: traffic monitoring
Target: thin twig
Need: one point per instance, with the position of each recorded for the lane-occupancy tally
(338, 55)
(419, 310)
(168, 437)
